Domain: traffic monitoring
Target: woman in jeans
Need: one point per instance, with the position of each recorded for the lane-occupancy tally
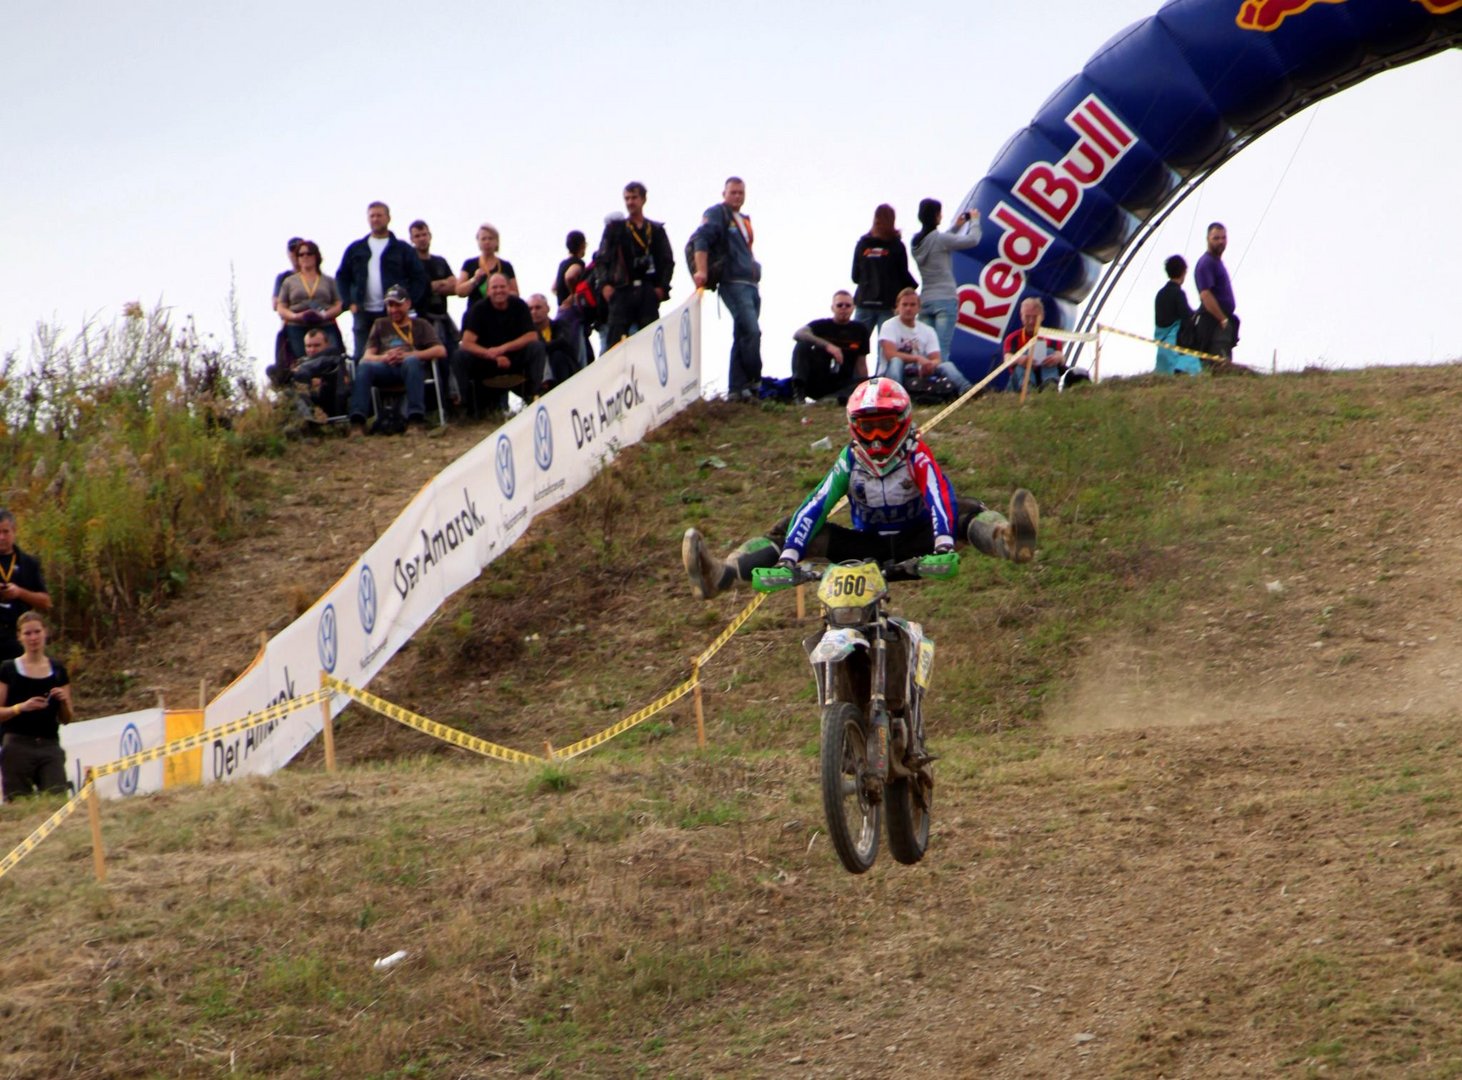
(939, 302)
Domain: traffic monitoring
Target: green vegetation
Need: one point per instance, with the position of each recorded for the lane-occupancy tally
(123, 448)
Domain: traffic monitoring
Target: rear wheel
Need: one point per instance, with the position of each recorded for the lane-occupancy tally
(853, 821)
(908, 819)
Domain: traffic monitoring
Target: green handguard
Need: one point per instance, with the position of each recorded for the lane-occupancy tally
(769, 579)
(939, 566)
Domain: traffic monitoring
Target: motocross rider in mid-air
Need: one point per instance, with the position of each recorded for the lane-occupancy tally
(901, 503)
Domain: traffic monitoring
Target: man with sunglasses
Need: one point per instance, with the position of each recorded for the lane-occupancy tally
(831, 356)
(900, 501)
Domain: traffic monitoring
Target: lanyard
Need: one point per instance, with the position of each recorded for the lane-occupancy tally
(743, 226)
(644, 241)
(309, 289)
(5, 572)
(406, 331)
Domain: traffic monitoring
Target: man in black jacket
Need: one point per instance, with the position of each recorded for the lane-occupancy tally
(372, 265)
(636, 261)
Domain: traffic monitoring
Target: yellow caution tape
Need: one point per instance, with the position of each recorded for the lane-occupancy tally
(47, 827)
(736, 624)
(658, 705)
(207, 735)
(432, 728)
(1213, 357)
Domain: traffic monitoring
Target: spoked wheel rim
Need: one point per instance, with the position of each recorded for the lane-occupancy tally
(853, 819)
(858, 811)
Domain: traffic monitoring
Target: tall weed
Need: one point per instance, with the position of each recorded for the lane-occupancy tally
(122, 448)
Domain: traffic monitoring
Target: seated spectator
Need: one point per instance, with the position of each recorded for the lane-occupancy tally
(397, 354)
(831, 356)
(906, 341)
(294, 265)
(572, 268)
(562, 339)
(319, 377)
(35, 700)
(1045, 361)
(441, 283)
(1171, 315)
(472, 282)
(307, 298)
(500, 350)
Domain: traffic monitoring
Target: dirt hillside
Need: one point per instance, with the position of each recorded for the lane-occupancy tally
(1224, 846)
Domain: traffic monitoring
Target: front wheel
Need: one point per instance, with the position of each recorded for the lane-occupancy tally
(853, 821)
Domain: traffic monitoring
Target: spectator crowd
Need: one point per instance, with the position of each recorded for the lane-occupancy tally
(408, 356)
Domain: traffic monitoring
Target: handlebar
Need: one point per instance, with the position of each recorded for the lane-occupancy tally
(775, 578)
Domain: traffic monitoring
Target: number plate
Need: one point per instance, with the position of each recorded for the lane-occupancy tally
(851, 586)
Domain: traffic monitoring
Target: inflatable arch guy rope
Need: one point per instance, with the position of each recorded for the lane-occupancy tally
(1150, 116)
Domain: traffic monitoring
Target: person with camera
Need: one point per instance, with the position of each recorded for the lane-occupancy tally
(35, 700)
(637, 262)
(22, 586)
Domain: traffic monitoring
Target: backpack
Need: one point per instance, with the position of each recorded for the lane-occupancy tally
(929, 389)
(389, 417)
(715, 256)
(1188, 332)
(588, 296)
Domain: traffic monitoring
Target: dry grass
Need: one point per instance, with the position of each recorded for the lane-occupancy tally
(1186, 825)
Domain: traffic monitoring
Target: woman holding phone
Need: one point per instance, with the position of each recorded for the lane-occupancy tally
(35, 700)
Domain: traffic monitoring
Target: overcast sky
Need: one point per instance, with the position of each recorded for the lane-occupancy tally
(157, 149)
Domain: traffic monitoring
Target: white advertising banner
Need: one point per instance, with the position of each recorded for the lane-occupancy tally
(90, 743)
(469, 514)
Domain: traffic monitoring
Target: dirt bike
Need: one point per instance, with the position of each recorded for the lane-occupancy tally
(873, 670)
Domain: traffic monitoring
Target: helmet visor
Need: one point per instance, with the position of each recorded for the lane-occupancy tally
(880, 427)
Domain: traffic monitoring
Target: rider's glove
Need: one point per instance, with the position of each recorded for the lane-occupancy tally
(942, 565)
(767, 579)
(787, 564)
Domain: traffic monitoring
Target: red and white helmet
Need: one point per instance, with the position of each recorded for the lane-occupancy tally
(880, 417)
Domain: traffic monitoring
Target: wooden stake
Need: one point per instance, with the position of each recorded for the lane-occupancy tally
(202, 693)
(1030, 364)
(1096, 364)
(94, 812)
(801, 602)
(700, 709)
(329, 728)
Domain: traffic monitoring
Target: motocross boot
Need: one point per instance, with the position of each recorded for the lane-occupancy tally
(1012, 538)
(710, 575)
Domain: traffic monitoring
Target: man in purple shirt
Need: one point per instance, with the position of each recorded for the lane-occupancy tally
(1218, 326)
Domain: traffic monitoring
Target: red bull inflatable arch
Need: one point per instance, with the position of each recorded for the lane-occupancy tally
(1154, 112)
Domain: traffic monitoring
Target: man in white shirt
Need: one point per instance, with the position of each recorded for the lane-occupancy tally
(906, 341)
(370, 266)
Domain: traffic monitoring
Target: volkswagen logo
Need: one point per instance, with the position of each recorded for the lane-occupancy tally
(365, 598)
(542, 438)
(662, 365)
(327, 639)
(507, 478)
(685, 350)
(131, 744)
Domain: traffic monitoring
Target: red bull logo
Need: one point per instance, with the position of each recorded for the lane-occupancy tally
(1267, 15)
